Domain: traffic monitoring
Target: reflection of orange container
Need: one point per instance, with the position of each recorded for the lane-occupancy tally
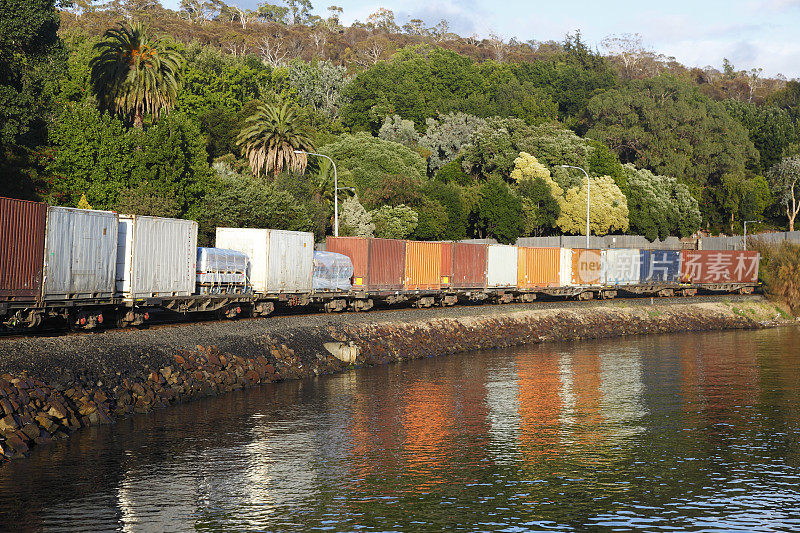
(423, 265)
(537, 267)
(446, 270)
(588, 267)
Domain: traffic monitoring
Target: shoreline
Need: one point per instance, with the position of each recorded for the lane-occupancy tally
(51, 387)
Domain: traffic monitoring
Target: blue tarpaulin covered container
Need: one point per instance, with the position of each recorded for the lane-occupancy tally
(332, 272)
(660, 266)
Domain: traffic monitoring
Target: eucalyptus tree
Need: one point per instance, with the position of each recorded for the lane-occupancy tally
(134, 73)
(271, 137)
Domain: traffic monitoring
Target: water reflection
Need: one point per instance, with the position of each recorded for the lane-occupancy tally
(687, 432)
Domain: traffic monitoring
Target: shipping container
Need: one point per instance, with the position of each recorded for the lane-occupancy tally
(623, 266)
(722, 266)
(80, 254)
(423, 266)
(660, 266)
(565, 268)
(501, 266)
(357, 249)
(538, 267)
(280, 261)
(22, 226)
(588, 267)
(446, 268)
(156, 257)
(469, 266)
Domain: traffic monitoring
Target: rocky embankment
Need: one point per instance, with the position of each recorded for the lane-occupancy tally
(52, 386)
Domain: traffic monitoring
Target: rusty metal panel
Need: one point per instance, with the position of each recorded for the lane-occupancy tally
(80, 254)
(357, 249)
(423, 265)
(387, 264)
(660, 266)
(623, 266)
(501, 265)
(446, 270)
(469, 265)
(22, 225)
(719, 266)
(588, 267)
(538, 267)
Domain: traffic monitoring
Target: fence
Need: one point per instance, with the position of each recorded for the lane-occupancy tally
(736, 242)
(607, 241)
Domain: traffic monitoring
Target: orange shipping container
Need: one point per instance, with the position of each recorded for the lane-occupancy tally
(446, 273)
(588, 267)
(538, 267)
(423, 265)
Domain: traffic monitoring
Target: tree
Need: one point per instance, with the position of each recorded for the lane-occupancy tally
(453, 172)
(451, 198)
(659, 206)
(499, 212)
(608, 211)
(146, 200)
(369, 158)
(32, 59)
(771, 129)
(271, 136)
(394, 222)
(394, 189)
(785, 181)
(540, 194)
(743, 196)
(354, 219)
(135, 74)
(399, 130)
(445, 136)
(432, 220)
(319, 85)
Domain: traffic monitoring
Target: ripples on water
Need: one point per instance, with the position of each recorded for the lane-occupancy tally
(682, 432)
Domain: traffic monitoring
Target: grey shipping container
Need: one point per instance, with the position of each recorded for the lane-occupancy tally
(280, 261)
(80, 254)
(156, 257)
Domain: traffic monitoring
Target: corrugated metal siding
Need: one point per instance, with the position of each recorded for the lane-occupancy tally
(357, 249)
(501, 270)
(22, 226)
(469, 266)
(622, 266)
(446, 273)
(156, 256)
(565, 268)
(538, 267)
(291, 261)
(387, 264)
(423, 265)
(719, 266)
(660, 266)
(588, 267)
(80, 254)
(254, 243)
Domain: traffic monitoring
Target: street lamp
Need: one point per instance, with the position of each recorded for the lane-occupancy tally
(587, 200)
(744, 238)
(335, 190)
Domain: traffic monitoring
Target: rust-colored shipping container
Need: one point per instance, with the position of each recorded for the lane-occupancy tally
(538, 267)
(588, 267)
(719, 266)
(22, 227)
(469, 266)
(446, 270)
(378, 264)
(423, 266)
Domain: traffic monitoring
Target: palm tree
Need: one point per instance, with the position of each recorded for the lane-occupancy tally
(134, 73)
(271, 136)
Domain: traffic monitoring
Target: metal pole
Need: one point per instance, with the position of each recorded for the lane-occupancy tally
(335, 190)
(588, 187)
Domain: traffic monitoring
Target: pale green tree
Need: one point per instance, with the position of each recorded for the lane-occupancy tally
(396, 222)
(608, 210)
(445, 136)
(399, 130)
(355, 220)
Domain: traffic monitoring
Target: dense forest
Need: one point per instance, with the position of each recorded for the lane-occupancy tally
(205, 113)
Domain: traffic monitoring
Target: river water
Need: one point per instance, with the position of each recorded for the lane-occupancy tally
(674, 432)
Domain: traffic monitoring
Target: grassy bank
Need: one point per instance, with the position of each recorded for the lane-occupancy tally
(780, 272)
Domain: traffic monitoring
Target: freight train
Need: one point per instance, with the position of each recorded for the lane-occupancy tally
(89, 268)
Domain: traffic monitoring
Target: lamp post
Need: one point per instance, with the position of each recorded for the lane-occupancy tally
(588, 185)
(335, 190)
(744, 238)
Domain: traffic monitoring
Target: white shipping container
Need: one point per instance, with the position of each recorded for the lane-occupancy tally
(80, 253)
(156, 257)
(280, 261)
(565, 268)
(622, 266)
(501, 265)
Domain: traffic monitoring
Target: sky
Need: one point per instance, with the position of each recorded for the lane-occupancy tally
(749, 33)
